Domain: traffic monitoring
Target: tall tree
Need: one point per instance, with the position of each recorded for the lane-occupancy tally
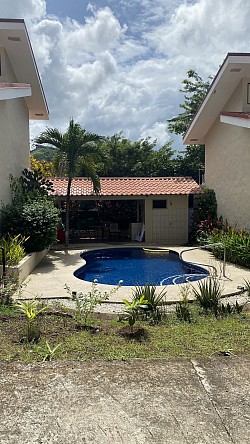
(195, 90)
(76, 151)
(192, 158)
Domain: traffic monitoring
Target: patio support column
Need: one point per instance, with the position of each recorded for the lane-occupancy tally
(148, 220)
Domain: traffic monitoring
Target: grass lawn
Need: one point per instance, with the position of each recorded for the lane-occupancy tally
(205, 336)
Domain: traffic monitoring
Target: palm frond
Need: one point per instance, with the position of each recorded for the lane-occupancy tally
(88, 169)
(51, 137)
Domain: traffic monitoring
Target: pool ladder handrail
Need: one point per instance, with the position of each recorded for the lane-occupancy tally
(203, 247)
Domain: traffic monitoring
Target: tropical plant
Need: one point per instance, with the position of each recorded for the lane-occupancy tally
(230, 309)
(182, 307)
(132, 309)
(208, 294)
(13, 248)
(236, 243)
(49, 352)
(76, 151)
(154, 308)
(31, 309)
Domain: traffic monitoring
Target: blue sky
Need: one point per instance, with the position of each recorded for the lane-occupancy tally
(118, 65)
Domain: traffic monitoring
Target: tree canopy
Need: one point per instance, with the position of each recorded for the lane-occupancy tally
(195, 90)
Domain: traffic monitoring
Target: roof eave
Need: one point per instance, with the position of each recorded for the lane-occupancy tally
(234, 67)
(15, 40)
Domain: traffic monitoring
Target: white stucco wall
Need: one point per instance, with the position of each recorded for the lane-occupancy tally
(170, 225)
(14, 140)
(227, 166)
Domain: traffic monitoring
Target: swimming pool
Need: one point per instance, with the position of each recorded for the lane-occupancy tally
(136, 266)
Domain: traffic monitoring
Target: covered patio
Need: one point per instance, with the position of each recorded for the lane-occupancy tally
(154, 209)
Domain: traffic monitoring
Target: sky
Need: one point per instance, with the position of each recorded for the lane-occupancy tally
(117, 65)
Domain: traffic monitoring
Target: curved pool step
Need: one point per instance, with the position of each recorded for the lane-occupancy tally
(182, 279)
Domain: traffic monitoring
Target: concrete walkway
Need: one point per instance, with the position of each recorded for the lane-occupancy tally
(56, 269)
(203, 401)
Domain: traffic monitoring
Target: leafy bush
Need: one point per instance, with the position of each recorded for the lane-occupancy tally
(236, 242)
(85, 303)
(39, 220)
(13, 248)
(207, 206)
(32, 213)
(205, 215)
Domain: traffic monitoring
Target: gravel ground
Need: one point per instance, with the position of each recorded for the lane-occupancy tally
(118, 307)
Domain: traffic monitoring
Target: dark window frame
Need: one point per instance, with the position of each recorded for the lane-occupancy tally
(159, 204)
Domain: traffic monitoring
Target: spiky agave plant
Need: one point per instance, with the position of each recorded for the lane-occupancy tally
(208, 295)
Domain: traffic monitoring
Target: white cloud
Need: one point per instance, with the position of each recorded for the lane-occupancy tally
(203, 32)
(157, 132)
(121, 69)
(28, 9)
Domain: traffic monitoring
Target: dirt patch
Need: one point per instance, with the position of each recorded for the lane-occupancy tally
(137, 333)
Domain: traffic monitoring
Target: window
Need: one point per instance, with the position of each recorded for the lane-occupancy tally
(159, 203)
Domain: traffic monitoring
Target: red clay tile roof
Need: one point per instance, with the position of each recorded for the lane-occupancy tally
(128, 186)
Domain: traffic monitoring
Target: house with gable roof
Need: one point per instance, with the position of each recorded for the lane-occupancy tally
(222, 124)
(21, 99)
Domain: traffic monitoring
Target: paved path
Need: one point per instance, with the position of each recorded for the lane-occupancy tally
(203, 401)
(56, 269)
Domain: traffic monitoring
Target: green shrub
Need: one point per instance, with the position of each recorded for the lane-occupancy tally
(85, 303)
(236, 242)
(37, 220)
(32, 213)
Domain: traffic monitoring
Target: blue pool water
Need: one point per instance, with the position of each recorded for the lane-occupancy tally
(134, 266)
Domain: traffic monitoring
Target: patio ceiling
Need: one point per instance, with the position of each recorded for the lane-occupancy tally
(128, 186)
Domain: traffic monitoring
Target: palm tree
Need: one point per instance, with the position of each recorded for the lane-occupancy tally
(76, 152)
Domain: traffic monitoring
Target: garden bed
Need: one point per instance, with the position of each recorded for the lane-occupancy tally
(205, 336)
(26, 266)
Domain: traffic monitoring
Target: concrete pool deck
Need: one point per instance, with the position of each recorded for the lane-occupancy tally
(48, 279)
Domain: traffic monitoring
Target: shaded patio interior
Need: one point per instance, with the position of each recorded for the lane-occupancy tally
(103, 220)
